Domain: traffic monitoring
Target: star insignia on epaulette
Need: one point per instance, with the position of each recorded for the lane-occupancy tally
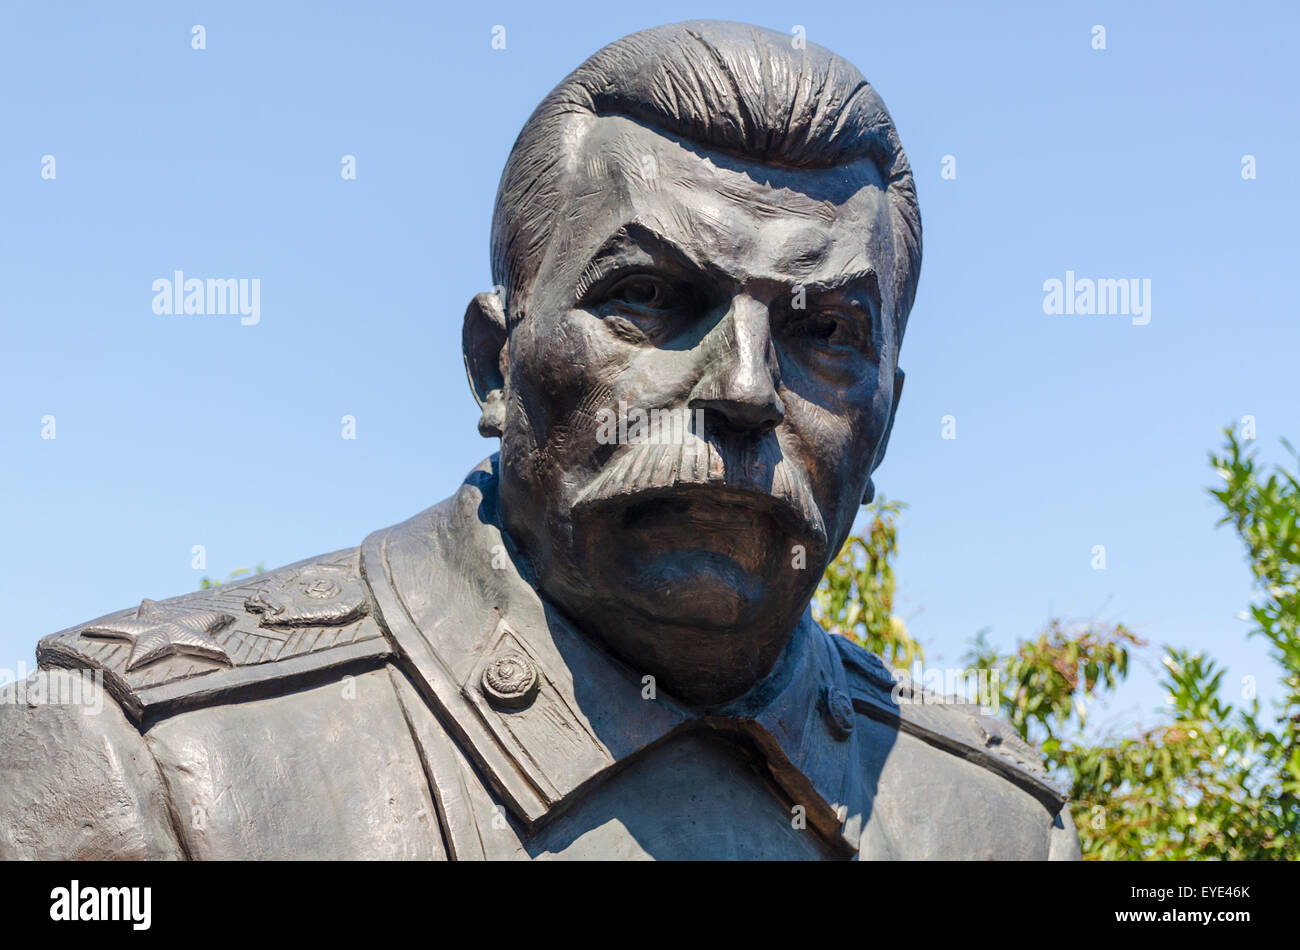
(156, 632)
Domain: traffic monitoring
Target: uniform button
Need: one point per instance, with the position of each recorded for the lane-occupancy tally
(510, 680)
(838, 709)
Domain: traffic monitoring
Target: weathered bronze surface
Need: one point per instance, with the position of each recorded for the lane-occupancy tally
(706, 244)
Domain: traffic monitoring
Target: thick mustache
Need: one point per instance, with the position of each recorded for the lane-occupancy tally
(746, 466)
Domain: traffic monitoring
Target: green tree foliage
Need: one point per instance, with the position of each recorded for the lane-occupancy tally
(1046, 683)
(1210, 779)
(208, 583)
(856, 596)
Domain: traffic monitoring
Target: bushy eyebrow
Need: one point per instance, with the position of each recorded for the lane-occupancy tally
(638, 236)
(633, 236)
(848, 280)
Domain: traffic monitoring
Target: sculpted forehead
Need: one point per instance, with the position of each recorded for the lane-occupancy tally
(750, 219)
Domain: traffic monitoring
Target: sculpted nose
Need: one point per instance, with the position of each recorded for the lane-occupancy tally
(739, 382)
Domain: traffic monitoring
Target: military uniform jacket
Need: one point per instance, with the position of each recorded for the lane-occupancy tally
(416, 698)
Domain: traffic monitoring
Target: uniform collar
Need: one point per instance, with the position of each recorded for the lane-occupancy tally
(547, 713)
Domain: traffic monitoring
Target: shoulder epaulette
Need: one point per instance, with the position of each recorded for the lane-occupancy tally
(946, 722)
(242, 640)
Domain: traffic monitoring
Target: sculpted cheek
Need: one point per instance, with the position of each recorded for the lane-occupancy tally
(835, 445)
(568, 382)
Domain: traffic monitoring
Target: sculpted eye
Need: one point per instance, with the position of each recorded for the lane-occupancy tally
(826, 327)
(645, 292)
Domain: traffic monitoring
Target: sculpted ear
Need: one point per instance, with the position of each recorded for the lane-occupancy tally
(869, 496)
(483, 340)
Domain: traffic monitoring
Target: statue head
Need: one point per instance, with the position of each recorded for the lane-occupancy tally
(705, 244)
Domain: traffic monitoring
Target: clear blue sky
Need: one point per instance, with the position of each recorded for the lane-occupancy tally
(1072, 431)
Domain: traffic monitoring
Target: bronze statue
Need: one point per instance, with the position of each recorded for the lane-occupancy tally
(706, 244)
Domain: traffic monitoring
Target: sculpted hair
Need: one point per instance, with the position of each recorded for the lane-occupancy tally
(733, 88)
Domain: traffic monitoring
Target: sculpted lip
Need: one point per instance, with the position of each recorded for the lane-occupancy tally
(671, 511)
